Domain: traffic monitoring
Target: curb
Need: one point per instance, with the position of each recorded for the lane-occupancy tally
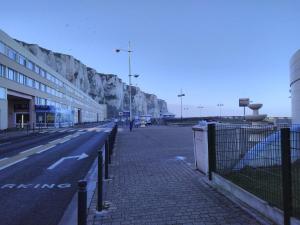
(70, 214)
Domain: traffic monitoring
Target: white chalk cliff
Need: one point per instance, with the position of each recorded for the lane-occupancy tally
(104, 88)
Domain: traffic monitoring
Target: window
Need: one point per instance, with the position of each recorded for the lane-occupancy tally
(48, 76)
(51, 91)
(42, 101)
(37, 85)
(37, 100)
(42, 87)
(37, 69)
(2, 70)
(29, 65)
(21, 79)
(43, 73)
(22, 60)
(2, 48)
(12, 54)
(10, 74)
(29, 82)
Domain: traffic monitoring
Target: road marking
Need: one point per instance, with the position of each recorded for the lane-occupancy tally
(81, 130)
(12, 163)
(64, 140)
(55, 141)
(36, 186)
(31, 149)
(3, 159)
(45, 149)
(79, 157)
(71, 130)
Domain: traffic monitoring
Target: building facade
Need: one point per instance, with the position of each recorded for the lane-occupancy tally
(32, 93)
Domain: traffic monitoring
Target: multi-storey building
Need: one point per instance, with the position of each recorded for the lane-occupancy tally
(31, 93)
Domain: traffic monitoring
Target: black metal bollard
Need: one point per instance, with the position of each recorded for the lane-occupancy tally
(286, 169)
(107, 159)
(107, 146)
(110, 139)
(100, 182)
(82, 202)
(211, 133)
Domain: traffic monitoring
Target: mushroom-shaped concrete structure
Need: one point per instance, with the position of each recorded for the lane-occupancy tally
(255, 117)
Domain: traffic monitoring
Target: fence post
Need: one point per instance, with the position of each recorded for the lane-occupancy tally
(82, 203)
(211, 135)
(286, 175)
(107, 146)
(100, 181)
(107, 158)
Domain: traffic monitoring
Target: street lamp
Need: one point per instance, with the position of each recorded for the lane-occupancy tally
(129, 75)
(180, 96)
(220, 105)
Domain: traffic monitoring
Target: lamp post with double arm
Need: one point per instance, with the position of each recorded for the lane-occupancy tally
(180, 96)
(129, 51)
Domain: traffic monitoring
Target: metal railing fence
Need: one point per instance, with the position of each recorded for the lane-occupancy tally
(264, 160)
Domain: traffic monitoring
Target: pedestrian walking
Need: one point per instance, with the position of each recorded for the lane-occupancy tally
(131, 125)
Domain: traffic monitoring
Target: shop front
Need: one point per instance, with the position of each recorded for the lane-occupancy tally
(51, 116)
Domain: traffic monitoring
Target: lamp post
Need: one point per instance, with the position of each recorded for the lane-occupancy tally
(220, 105)
(180, 96)
(129, 75)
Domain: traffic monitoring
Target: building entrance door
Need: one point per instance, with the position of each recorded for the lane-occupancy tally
(22, 119)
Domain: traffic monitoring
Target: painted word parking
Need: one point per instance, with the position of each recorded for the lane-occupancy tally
(36, 186)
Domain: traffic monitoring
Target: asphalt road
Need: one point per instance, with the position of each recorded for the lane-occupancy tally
(37, 182)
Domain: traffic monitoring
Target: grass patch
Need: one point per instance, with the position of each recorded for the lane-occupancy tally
(266, 183)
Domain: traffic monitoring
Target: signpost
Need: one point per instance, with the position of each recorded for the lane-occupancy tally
(244, 102)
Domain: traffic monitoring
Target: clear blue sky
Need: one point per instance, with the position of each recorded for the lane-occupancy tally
(216, 51)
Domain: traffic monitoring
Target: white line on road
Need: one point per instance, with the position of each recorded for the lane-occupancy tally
(3, 159)
(10, 164)
(30, 149)
(45, 149)
(64, 140)
(78, 157)
(54, 141)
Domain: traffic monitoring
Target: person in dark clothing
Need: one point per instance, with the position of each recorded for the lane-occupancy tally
(131, 125)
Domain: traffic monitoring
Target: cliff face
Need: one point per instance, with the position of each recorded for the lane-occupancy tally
(104, 88)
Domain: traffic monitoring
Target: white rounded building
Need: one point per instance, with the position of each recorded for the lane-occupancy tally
(295, 87)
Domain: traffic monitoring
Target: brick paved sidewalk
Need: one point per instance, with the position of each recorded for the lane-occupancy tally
(154, 183)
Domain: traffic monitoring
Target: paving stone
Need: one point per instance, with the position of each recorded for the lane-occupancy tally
(154, 182)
